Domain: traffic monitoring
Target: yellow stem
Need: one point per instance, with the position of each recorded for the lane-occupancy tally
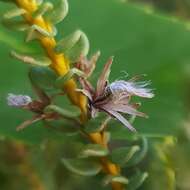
(59, 63)
(107, 166)
(61, 66)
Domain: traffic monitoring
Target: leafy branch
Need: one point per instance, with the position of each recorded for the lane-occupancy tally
(64, 61)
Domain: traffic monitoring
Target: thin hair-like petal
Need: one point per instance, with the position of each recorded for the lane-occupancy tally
(131, 88)
(121, 119)
(104, 77)
(92, 64)
(125, 109)
(86, 85)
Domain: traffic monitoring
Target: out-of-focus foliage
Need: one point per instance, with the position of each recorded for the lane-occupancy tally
(179, 8)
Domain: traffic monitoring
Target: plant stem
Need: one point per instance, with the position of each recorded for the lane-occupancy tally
(59, 63)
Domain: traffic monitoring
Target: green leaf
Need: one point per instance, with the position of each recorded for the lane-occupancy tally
(59, 12)
(140, 155)
(43, 77)
(63, 126)
(74, 46)
(12, 43)
(83, 167)
(33, 60)
(137, 180)
(15, 25)
(94, 150)
(71, 150)
(122, 155)
(14, 13)
(68, 42)
(120, 179)
(81, 48)
(43, 8)
(35, 32)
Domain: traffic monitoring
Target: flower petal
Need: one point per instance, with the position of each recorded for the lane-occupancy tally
(120, 118)
(104, 78)
(137, 77)
(86, 85)
(125, 109)
(87, 66)
(92, 63)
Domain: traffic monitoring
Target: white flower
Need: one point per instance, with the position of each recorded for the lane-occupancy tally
(131, 88)
(18, 100)
(114, 98)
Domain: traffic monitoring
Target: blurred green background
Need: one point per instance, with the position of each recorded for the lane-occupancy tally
(146, 37)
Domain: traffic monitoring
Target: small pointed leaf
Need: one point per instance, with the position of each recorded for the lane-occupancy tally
(15, 25)
(137, 180)
(95, 150)
(43, 77)
(36, 31)
(139, 156)
(68, 42)
(120, 179)
(43, 8)
(71, 112)
(14, 13)
(58, 13)
(84, 167)
(81, 48)
(35, 61)
(74, 46)
(39, 91)
(122, 155)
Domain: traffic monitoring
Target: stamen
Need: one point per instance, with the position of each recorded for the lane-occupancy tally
(131, 88)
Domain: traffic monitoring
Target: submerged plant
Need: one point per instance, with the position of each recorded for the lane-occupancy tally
(65, 70)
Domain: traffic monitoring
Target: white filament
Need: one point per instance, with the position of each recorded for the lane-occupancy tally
(130, 88)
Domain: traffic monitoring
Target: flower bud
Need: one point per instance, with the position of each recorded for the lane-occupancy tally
(18, 100)
(58, 13)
